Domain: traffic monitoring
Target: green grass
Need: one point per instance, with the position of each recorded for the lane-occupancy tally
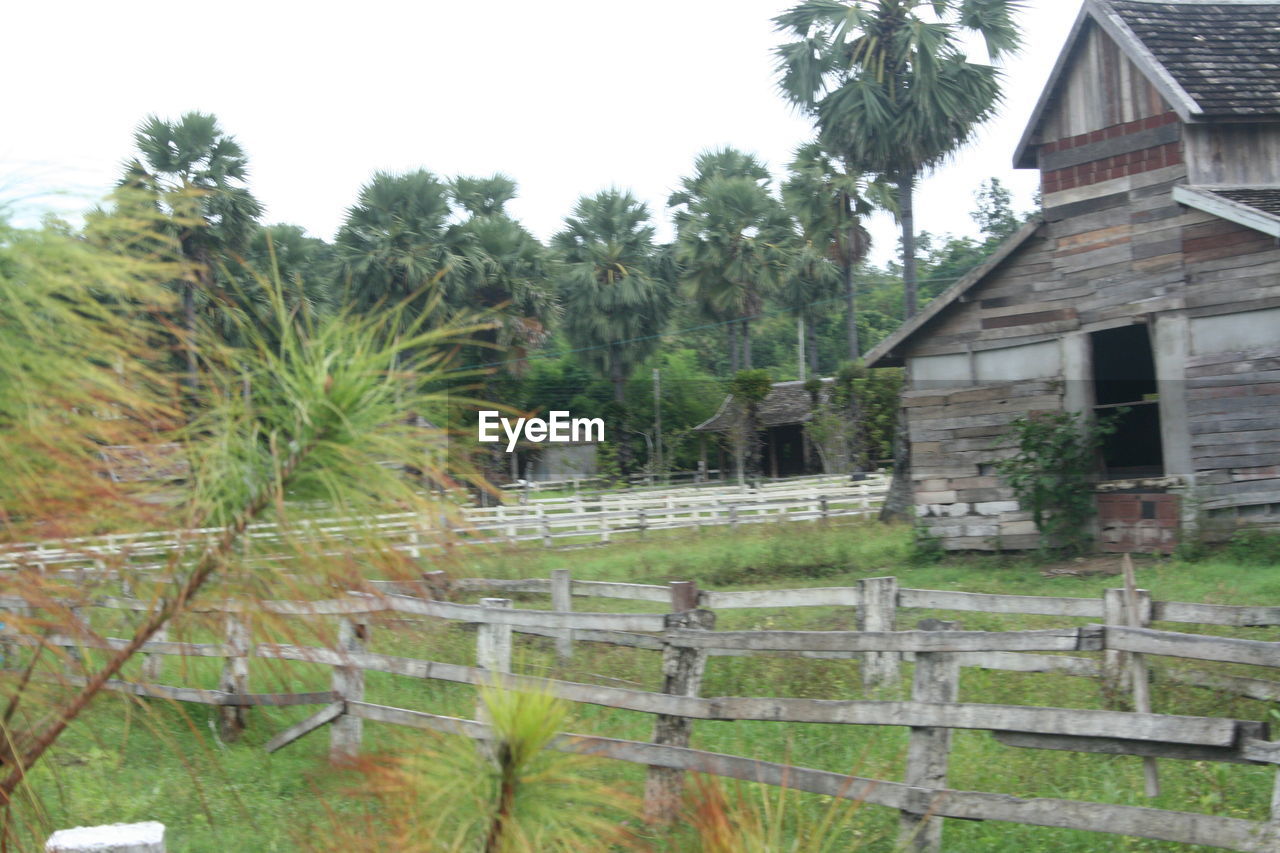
(129, 760)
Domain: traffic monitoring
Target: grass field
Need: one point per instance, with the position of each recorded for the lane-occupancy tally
(130, 761)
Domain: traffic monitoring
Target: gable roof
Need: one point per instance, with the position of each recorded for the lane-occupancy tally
(787, 403)
(886, 354)
(1214, 59)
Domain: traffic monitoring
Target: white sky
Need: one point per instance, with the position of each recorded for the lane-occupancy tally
(566, 96)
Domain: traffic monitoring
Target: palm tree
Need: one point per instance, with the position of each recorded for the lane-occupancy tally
(393, 245)
(889, 85)
(277, 257)
(502, 269)
(483, 196)
(614, 297)
(728, 221)
(195, 174)
(828, 199)
(810, 278)
(731, 245)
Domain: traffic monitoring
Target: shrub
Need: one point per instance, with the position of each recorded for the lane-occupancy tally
(1052, 474)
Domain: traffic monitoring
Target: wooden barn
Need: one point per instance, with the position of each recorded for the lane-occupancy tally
(1151, 280)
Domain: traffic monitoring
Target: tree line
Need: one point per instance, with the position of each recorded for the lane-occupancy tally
(756, 274)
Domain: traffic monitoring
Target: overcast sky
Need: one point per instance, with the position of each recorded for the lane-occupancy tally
(566, 96)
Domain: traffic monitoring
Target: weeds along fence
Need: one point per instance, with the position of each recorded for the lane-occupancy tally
(686, 638)
(549, 521)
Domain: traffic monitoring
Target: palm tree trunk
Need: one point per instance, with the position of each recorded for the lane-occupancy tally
(746, 344)
(850, 302)
(733, 347)
(907, 218)
(615, 375)
(811, 343)
(189, 325)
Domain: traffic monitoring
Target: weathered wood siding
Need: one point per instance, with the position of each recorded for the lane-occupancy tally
(1233, 154)
(1114, 252)
(1102, 88)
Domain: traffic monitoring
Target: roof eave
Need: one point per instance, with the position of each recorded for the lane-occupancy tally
(887, 353)
(1204, 199)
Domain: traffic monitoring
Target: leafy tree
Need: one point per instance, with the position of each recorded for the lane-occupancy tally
(995, 214)
(889, 85)
(195, 174)
(828, 198)
(614, 292)
(749, 389)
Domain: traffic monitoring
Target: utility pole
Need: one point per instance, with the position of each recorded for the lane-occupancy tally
(657, 420)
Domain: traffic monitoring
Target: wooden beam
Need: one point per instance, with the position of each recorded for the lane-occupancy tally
(297, 730)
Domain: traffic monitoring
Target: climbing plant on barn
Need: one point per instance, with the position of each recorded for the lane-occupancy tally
(1052, 475)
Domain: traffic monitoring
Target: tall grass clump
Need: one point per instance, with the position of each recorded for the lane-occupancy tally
(508, 794)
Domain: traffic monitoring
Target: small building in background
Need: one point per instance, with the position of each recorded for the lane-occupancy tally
(1149, 283)
(784, 449)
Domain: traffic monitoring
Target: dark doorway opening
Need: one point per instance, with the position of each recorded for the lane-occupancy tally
(1124, 382)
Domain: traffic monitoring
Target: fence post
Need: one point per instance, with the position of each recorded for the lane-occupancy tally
(733, 516)
(493, 642)
(682, 671)
(1117, 666)
(562, 600)
(937, 679)
(75, 659)
(348, 682)
(824, 508)
(642, 521)
(153, 664)
(493, 653)
(1139, 611)
(235, 672)
(879, 597)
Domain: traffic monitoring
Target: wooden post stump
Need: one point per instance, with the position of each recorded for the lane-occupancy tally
(682, 671)
(346, 731)
(235, 672)
(878, 612)
(937, 679)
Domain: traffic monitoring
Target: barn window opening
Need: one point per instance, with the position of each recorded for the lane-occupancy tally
(1124, 378)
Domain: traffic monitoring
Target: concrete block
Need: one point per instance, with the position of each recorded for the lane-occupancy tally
(113, 838)
(1017, 528)
(946, 497)
(956, 510)
(995, 507)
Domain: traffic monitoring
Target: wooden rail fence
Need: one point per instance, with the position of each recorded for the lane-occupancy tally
(686, 638)
(546, 521)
